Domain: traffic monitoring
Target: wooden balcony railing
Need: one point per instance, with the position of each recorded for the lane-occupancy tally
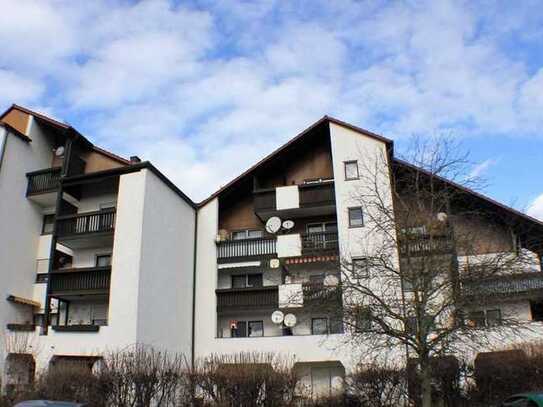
(247, 247)
(247, 298)
(83, 279)
(424, 245)
(43, 181)
(514, 284)
(320, 242)
(317, 194)
(91, 222)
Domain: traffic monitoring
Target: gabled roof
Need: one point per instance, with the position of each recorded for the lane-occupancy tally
(298, 137)
(63, 127)
(477, 195)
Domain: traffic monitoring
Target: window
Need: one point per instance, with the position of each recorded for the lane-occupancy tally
(351, 170)
(356, 218)
(488, 318)
(255, 328)
(246, 280)
(363, 320)
(103, 260)
(243, 329)
(247, 234)
(238, 329)
(321, 227)
(319, 326)
(48, 224)
(477, 318)
(493, 317)
(361, 268)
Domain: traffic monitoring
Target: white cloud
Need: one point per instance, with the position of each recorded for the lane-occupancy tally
(480, 169)
(204, 92)
(14, 87)
(536, 208)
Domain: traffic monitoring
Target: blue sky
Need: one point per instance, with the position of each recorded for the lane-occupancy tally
(205, 88)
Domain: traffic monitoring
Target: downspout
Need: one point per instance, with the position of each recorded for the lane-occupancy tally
(193, 340)
(3, 143)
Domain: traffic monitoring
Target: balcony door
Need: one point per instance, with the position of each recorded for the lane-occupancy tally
(322, 235)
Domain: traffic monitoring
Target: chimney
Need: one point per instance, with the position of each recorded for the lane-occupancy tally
(135, 159)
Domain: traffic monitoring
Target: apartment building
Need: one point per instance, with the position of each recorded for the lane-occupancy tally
(81, 268)
(99, 252)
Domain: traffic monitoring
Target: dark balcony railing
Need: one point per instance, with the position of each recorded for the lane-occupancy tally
(91, 222)
(426, 245)
(320, 242)
(21, 327)
(264, 200)
(83, 279)
(247, 298)
(245, 248)
(321, 294)
(317, 194)
(43, 181)
(76, 328)
(504, 285)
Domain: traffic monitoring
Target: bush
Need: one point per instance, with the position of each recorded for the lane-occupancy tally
(376, 385)
(246, 379)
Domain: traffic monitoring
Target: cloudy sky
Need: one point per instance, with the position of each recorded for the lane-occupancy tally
(204, 88)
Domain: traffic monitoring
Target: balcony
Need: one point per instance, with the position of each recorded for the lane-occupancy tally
(81, 281)
(239, 299)
(426, 245)
(294, 201)
(86, 230)
(516, 286)
(43, 185)
(246, 249)
(320, 243)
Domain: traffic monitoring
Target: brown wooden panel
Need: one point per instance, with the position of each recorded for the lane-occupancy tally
(481, 235)
(99, 162)
(241, 215)
(17, 119)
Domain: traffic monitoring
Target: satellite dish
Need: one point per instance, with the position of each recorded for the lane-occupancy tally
(274, 263)
(290, 320)
(331, 280)
(288, 224)
(442, 216)
(59, 151)
(273, 225)
(277, 317)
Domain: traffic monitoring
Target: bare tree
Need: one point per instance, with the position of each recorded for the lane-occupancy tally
(427, 260)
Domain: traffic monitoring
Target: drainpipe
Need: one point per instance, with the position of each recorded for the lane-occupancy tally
(3, 142)
(193, 339)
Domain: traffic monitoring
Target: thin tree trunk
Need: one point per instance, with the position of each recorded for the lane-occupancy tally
(426, 385)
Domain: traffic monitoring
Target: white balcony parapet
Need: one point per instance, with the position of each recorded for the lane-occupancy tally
(287, 197)
(289, 245)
